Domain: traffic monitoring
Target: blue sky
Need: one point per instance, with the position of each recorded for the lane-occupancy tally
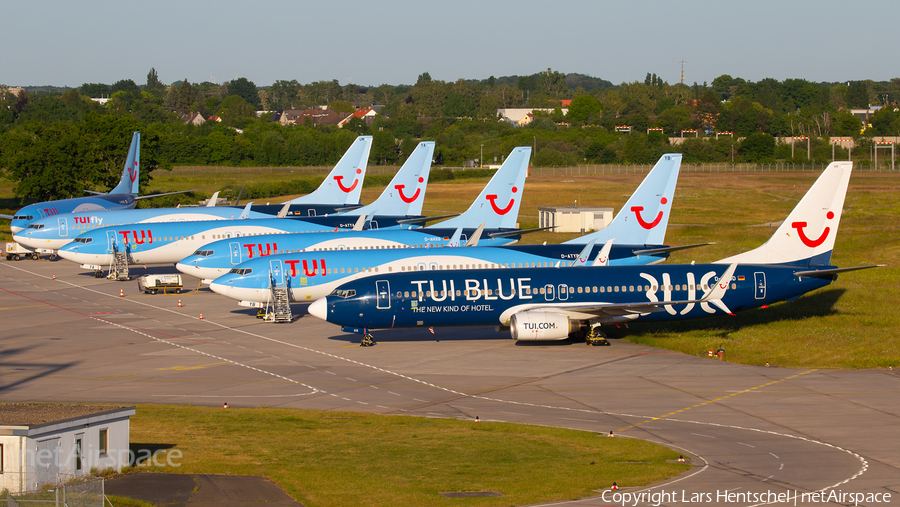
(65, 43)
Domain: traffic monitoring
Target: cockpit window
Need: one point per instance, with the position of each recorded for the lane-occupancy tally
(83, 240)
(204, 253)
(241, 271)
(36, 226)
(24, 217)
(343, 293)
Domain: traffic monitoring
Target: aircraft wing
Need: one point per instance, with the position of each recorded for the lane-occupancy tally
(516, 232)
(424, 219)
(8, 217)
(587, 311)
(160, 195)
(669, 248)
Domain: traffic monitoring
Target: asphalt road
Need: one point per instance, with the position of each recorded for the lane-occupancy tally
(751, 432)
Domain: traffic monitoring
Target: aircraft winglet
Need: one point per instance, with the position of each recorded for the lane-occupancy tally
(212, 200)
(585, 254)
(360, 223)
(603, 255)
(246, 212)
(454, 240)
(283, 211)
(715, 294)
(476, 236)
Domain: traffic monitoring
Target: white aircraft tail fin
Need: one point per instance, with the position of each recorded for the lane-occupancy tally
(809, 231)
(645, 216)
(498, 204)
(405, 194)
(344, 183)
(211, 203)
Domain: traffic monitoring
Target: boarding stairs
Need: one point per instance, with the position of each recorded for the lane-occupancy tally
(118, 270)
(281, 296)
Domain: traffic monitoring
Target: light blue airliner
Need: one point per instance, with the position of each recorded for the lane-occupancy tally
(342, 186)
(124, 196)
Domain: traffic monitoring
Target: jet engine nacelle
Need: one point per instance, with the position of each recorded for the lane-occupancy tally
(540, 326)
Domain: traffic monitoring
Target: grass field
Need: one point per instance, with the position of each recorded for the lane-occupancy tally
(346, 458)
(850, 324)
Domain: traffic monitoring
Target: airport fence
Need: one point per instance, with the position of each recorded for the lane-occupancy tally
(578, 170)
(89, 493)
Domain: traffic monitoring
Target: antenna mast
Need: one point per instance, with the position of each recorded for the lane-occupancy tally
(682, 70)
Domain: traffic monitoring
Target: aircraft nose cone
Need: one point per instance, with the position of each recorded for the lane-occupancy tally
(219, 288)
(183, 267)
(319, 309)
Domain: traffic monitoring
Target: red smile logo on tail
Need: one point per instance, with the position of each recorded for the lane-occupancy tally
(493, 198)
(132, 173)
(405, 199)
(812, 243)
(349, 189)
(648, 225)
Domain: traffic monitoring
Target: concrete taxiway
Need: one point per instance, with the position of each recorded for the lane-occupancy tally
(748, 430)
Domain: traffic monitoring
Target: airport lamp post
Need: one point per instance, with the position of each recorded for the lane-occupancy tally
(482, 156)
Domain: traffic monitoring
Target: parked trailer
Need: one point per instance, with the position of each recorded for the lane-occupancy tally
(15, 251)
(151, 284)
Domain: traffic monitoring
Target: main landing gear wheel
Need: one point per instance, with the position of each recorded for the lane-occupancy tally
(596, 338)
(367, 341)
(98, 274)
(53, 257)
(35, 256)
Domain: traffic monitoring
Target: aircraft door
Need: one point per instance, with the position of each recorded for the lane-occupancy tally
(759, 280)
(563, 292)
(373, 225)
(433, 266)
(235, 249)
(383, 294)
(42, 213)
(276, 273)
(111, 241)
(420, 267)
(63, 227)
(311, 212)
(548, 293)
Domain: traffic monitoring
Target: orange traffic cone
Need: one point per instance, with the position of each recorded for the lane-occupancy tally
(610, 434)
(681, 458)
(54, 276)
(615, 486)
(121, 293)
(201, 316)
(179, 303)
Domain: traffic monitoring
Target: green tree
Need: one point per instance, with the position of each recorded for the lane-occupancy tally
(582, 108)
(245, 89)
(235, 112)
(757, 147)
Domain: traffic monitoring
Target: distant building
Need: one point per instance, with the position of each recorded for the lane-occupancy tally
(520, 116)
(569, 219)
(367, 114)
(193, 118)
(52, 443)
(316, 116)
